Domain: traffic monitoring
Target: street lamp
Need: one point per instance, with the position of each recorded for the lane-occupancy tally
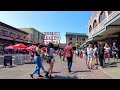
(76, 41)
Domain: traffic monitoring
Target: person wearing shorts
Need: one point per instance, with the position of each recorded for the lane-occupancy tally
(115, 52)
(50, 60)
(107, 52)
(89, 56)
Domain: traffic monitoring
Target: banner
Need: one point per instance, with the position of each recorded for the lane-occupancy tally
(53, 37)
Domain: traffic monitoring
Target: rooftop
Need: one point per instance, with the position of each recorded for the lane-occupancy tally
(31, 29)
(8, 26)
(80, 34)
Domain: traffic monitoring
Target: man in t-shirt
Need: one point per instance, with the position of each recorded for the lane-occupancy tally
(69, 55)
(101, 54)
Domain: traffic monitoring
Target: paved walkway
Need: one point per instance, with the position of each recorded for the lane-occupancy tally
(80, 71)
(113, 70)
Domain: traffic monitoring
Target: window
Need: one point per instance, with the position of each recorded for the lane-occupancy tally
(79, 43)
(77, 38)
(18, 36)
(83, 39)
(70, 38)
(4, 33)
(24, 37)
(11, 34)
(109, 12)
(102, 16)
(94, 23)
(90, 28)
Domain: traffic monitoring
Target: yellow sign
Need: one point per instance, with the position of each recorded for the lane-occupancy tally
(76, 44)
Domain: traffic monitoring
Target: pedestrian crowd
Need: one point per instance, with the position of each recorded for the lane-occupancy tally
(94, 54)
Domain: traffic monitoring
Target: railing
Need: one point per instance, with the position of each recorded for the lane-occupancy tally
(17, 59)
(113, 14)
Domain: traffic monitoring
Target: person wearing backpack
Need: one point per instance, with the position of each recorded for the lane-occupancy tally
(50, 60)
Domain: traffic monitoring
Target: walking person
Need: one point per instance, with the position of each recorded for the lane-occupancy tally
(107, 52)
(115, 52)
(84, 53)
(60, 53)
(42, 57)
(63, 55)
(101, 54)
(90, 56)
(50, 60)
(95, 54)
(37, 60)
(69, 55)
(32, 56)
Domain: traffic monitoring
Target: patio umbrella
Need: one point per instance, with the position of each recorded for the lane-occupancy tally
(20, 46)
(10, 47)
(44, 48)
(31, 47)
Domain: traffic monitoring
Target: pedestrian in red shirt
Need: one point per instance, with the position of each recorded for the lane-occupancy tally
(69, 55)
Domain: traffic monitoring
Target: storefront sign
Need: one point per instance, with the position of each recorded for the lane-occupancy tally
(53, 37)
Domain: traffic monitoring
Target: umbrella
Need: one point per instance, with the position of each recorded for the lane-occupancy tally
(10, 47)
(31, 47)
(20, 46)
(44, 48)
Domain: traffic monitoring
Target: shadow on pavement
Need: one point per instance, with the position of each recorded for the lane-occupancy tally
(7, 66)
(56, 72)
(65, 77)
(83, 71)
(108, 66)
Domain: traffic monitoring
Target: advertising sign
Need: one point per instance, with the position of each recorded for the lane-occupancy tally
(53, 37)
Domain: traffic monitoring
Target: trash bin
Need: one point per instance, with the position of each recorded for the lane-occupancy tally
(7, 59)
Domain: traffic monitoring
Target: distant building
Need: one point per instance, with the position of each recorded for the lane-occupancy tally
(104, 26)
(62, 45)
(76, 38)
(34, 35)
(10, 36)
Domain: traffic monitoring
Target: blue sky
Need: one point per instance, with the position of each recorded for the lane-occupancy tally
(49, 21)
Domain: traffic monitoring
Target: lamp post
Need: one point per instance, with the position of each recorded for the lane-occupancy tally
(76, 41)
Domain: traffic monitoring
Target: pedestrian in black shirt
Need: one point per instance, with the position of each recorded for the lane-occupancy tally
(101, 54)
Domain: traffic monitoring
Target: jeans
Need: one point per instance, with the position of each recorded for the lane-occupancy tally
(101, 58)
(69, 59)
(43, 68)
(38, 65)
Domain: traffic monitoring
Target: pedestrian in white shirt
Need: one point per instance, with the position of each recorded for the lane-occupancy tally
(95, 54)
(90, 56)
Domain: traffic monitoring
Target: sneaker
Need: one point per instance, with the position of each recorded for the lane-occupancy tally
(31, 75)
(51, 76)
(47, 74)
(45, 71)
(69, 71)
(40, 76)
